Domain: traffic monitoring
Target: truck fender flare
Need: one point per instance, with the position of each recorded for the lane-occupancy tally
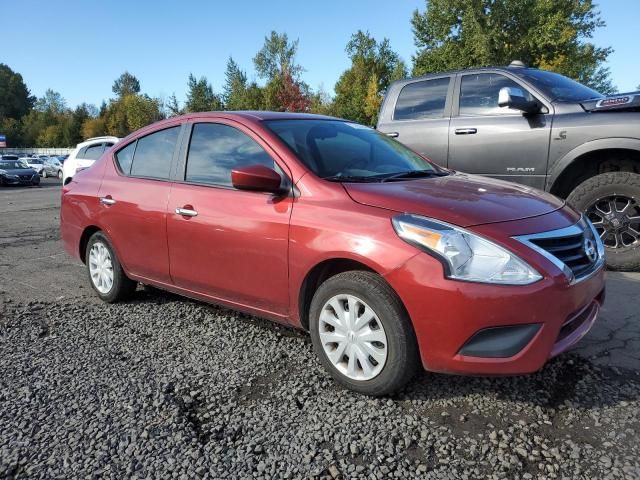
(624, 143)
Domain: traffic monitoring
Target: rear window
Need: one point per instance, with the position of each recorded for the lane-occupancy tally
(424, 99)
(124, 158)
(153, 154)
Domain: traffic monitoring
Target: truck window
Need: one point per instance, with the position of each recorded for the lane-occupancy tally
(424, 99)
(479, 94)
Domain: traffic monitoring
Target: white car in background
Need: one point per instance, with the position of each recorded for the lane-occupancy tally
(84, 155)
(34, 162)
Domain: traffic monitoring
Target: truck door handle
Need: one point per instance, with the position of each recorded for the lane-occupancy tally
(186, 212)
(393, 134)
(466, 131)
(107, 200)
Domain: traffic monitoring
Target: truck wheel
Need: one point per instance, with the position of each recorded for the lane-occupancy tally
(362, 333)
(612, 202)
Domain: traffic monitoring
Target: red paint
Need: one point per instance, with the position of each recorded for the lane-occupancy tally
(252, 250)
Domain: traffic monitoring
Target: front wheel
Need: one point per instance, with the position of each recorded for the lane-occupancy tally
(612, 202)
(362, 333)
(105, 272)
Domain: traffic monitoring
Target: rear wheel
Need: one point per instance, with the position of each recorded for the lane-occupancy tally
(612, 202)
(105, 272)
(44, 174)
(362, 333)
(59, 174)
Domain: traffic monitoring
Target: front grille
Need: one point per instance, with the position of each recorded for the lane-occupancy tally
(570, 250)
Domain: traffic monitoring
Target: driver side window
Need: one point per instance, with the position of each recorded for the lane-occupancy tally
(479, 94)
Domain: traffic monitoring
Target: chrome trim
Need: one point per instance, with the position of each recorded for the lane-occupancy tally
(186, 212)
(576, 229)
(107, 201)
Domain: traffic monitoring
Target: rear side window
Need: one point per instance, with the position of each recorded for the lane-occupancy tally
(93, 152)
(125, 158)
(154, 153)
(479, 94)
(425, 99)
(216, 149)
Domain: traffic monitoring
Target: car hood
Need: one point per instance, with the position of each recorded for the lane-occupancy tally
(19, 171)
(461, 199)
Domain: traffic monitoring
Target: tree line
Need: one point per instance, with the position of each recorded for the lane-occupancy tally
(449, 34)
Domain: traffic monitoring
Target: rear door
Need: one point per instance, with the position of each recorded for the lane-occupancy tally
(499, 142)
(232, 244)
(419, 118)
(133, 197)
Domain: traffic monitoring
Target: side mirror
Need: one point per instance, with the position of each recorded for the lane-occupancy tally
(515, 98)
(257, 178)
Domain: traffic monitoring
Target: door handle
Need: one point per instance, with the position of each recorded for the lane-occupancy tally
(393, 134)
(186, 212)
(466, 131)
(107, 200)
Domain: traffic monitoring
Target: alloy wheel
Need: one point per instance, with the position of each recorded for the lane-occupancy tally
(617, 220)
(353, 337)
(101, 267)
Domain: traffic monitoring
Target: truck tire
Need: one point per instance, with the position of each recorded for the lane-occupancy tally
(612, 202)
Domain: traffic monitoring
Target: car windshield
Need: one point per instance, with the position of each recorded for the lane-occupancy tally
(344, 151)
(558, 87)
(12, 164)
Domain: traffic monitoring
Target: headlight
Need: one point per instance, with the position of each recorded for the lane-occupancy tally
(466, 256)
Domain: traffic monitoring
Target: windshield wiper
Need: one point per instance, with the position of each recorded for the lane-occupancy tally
(413, 174)
(350, 178)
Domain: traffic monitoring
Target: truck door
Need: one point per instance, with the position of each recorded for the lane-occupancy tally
(420, 116)
(496, 141)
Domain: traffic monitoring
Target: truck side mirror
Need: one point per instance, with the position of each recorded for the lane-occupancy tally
(515, 98)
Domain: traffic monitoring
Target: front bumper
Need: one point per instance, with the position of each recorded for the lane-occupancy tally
(551, 315)
(22, 180)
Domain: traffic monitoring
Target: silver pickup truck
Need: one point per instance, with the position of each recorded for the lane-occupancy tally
(533, 127)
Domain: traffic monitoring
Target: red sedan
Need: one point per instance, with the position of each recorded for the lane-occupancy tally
(389, 260)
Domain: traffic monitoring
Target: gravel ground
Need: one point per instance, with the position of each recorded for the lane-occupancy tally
(163, 387)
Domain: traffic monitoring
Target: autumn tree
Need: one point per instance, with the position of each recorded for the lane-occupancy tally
(131, 112)
(548, 34)
(360, 88)
(200, 97)
(126, 84)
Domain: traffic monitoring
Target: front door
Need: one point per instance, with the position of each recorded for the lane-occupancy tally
(226, 243)
(499, 142)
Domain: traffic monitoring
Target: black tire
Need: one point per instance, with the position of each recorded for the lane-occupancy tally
(59, 174)
(122, 287)
(402, 360)
(624, 184)
(44, 174)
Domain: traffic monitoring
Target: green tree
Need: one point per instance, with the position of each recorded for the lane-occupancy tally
(130, 113)
(126, 84)
(172, 106)
(549, 34)
(360, 88)
(94, 127)
(235, 87)
(15, 98)
(277, 57)
(200, 97)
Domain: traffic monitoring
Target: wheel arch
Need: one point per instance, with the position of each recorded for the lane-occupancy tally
(320, 272)
(594, 158)
(84, 240)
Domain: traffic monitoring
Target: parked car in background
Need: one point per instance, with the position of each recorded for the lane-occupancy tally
(52, 168)
(85, 154)
(14, 171)
(533, 127)
(34, 162)
(389, 260)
